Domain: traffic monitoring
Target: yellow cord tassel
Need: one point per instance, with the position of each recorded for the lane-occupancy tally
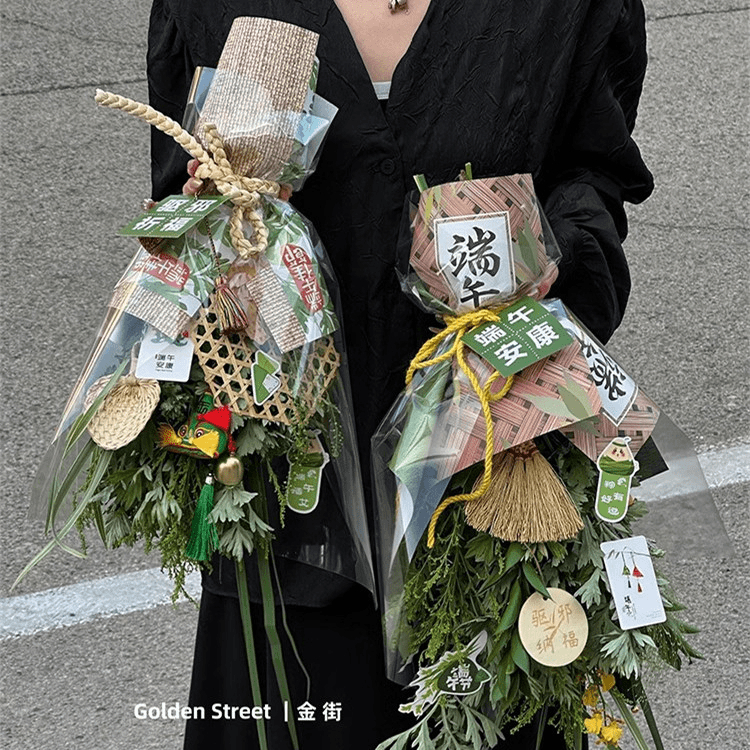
(457, 327)
(525, 501)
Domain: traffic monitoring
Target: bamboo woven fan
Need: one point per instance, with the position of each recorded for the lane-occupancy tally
(124, 412)
(226, 361)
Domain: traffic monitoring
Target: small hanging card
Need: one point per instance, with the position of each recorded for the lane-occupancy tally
(554, 631)
(264, 375)
(455, 673)
(474, 255)
(173, 216)
(162, 358)
(616, 468)
(305, 478)
(463, 676)
(633, 582)
(526, 333)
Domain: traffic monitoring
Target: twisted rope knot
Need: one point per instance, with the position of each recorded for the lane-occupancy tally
(457, 326)
(245, 192)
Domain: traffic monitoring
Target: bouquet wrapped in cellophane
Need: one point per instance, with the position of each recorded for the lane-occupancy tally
(214, 412)
(513, 585)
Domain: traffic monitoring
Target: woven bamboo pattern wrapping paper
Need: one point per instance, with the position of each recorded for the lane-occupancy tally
(461, 433)
(513, 193)
(226, 363)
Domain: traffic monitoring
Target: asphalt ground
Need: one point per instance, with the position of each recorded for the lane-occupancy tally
(74, 173)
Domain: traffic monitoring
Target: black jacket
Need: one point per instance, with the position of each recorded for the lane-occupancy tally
(542, 86)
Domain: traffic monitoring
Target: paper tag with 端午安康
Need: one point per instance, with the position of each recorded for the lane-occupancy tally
(162, 358)
(524, 333)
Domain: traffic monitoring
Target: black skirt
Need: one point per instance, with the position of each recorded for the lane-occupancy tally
(341, 647)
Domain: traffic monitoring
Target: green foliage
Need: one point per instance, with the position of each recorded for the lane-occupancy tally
(471, 582)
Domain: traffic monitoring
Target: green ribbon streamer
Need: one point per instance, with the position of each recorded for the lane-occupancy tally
(247, 627)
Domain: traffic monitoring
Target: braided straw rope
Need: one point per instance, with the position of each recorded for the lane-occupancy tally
(243, 191)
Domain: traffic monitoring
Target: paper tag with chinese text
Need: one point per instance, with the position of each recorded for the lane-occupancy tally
(305, 478)
(617, 390)
(474, 255)
(263, 374)
(616, 468)
(632, 581)
(173, 216)
(162, 358)
(526, 333)
(165, 289)
(554, 631)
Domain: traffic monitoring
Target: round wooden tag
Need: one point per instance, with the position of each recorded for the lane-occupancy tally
(554, 631)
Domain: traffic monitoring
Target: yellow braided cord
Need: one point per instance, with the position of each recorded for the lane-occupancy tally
(244, 192)
(458, 326)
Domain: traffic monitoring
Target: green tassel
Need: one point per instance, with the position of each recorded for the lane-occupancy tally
(204, 539)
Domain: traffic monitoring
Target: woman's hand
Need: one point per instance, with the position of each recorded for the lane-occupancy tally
(194, 185)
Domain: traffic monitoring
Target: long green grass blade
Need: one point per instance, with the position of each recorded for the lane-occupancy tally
(247, 629)
(650, 719)
(60, 490)
(630, 721)
(96, 477)
(288, 632)
(67, 526)
(542, 718)
(269, 608)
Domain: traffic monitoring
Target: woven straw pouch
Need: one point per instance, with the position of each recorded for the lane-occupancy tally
(226, 362)
(124, 412)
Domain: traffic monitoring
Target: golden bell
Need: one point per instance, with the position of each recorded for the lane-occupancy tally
(229, 470)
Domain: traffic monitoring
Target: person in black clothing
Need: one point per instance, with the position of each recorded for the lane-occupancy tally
(549, 87)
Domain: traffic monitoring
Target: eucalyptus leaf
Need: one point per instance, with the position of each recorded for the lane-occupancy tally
(520, 655)
(510, 615)
(533, 578)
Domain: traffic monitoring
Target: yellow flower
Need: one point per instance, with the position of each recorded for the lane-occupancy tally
(591, 696)
(608, 681)
(594, 723)
(611, 733)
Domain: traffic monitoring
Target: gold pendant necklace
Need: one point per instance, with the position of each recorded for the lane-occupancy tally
(396, 5)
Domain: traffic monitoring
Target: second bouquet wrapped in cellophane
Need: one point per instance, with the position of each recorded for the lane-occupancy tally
(513, 586)
(214, 412)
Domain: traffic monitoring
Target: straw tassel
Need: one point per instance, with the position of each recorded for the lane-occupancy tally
(526, 500)
(231, 316)
(204, 539)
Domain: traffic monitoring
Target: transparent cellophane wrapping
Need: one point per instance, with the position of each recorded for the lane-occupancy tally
(291, 298)
(478, 243)
(270, 119)
(436, 430)
(419, 444)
